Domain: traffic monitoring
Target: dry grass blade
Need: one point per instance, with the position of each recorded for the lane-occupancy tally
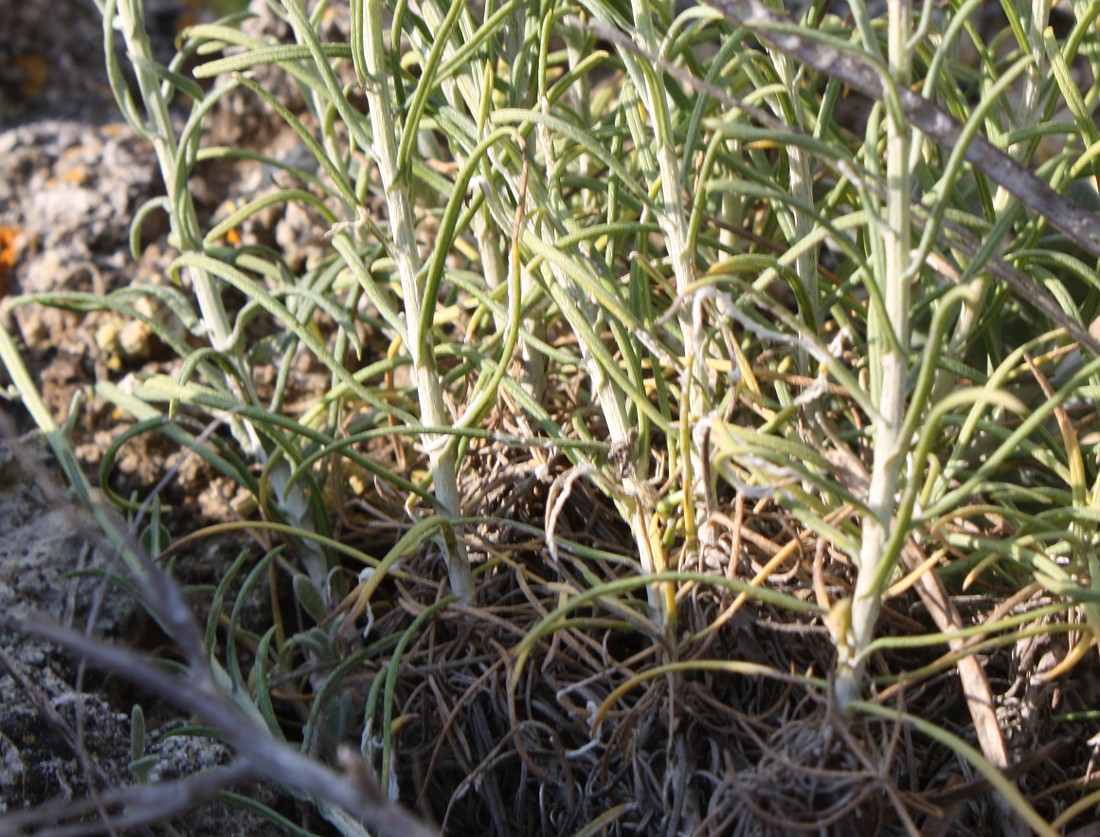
(975, 685)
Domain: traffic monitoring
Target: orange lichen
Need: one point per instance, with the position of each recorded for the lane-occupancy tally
(9, 252)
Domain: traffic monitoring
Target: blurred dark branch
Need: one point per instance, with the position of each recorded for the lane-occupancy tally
(858, 73)
(259, 754)
(1076, 222)
(128, 808)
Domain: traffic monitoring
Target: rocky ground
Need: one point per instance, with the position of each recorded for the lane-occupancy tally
(72, 174)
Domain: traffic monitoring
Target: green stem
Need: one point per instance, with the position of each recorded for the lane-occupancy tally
(406, 254)
(891, 358)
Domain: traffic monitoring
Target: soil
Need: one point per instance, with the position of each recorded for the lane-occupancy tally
(71, 175)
